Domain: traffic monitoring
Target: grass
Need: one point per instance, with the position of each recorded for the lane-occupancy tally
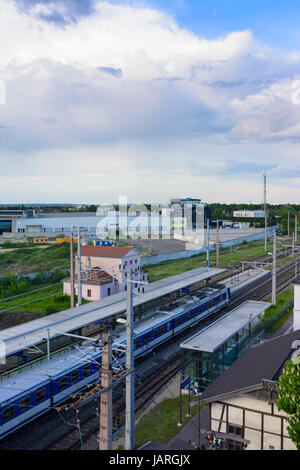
(277, 315)
(13, 312)
(227, 259)
(160, 424)
(28, 260)
(30, 296)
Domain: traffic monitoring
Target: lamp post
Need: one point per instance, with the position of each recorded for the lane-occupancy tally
(274, 269)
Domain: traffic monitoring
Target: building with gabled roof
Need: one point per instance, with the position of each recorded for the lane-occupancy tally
(96, 284)
(101, 263)
(243, 400)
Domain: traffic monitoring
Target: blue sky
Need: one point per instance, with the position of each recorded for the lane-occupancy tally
(274, 22)
(152, 99)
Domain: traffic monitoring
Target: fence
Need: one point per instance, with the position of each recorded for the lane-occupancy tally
(163, 257)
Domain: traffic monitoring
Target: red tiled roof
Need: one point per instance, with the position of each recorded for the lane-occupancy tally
(96, 276)
(105, 251)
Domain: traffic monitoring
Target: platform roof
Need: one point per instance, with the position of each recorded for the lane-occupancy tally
(22, 336)
(212, 337)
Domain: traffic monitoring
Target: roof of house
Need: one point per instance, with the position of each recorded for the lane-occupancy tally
(95, 277)
(262, 362)
(105, 251)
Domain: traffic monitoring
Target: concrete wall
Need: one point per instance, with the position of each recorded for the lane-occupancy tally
(156, 259)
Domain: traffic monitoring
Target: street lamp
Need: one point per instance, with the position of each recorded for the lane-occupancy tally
(199, 432)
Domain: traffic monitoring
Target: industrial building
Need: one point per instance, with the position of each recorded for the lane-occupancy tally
(250, 214)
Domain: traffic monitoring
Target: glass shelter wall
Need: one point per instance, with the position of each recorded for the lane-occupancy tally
(205, 367)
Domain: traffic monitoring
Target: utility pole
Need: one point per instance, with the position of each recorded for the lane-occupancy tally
(217, 246)
(265, 211)
(207, 243)
(274, 270)
(288, 224)
(105, 435)
(293, 244)
(48, 344)
(79, 270)
(72, 271)
(129, 420)
(296, 227)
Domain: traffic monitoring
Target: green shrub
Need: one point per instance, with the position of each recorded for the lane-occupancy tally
(51, 309)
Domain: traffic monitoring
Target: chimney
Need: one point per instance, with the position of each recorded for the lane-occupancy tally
(296, 284)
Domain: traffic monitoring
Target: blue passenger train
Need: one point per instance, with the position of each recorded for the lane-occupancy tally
(29, 394)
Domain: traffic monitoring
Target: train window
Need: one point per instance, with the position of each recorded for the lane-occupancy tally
(162, 329)
(62, 383)
(8, 413)
(188, 316)
(75, 376)
(40, 395)
(24, 404)
(86, 370)
(177, 322)
(137, 343)
(155, 334)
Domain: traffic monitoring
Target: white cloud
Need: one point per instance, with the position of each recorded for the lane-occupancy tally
(128, 94)
(272, 113)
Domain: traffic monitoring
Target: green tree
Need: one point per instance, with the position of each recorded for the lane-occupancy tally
(289, 397)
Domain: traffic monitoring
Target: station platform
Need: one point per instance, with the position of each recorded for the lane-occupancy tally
(240, 281)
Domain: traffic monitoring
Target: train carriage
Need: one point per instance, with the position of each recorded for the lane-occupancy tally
(27, 395)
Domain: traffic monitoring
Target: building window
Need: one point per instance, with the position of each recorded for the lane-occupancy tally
(108, 291)
(89, 293)
(237, 431)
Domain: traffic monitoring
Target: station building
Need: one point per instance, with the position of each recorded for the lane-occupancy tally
(209, 353)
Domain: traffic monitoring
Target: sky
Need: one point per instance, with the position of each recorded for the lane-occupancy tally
(149, 99)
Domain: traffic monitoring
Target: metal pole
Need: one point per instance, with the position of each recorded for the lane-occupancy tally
(296, 228)
(105, 435)
(293, 244)
(265, 210)
(274, 270)
(79, 270)
(207, 246)
(217, 246)
(288, 224)
(129, 420)
(189, 405)
(72, 271)
(180, 412)
(198, 420)
(48, 344)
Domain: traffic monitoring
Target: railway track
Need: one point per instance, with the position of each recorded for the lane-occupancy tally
(87, 438)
